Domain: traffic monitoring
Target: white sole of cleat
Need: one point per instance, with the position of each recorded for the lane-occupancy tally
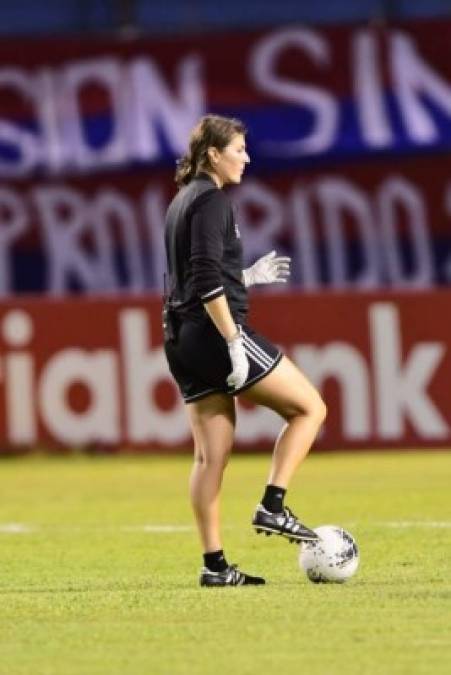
(268, 531)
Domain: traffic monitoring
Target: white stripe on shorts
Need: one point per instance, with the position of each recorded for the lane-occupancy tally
(255, 357)
(188, 399)
(260, 356)
(252, 356)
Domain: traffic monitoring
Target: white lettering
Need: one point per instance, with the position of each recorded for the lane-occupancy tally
(156, 107)
(96, 370)
(108, 74)
(305, 239)
(400, 388)
(396, 192)
(143, 368)
(13, 223)
(414, 80)
(369, 91)
(256, 424)
(336, 197)
(17, 331)
(263, 72)
(63, 214)
(20, 398)
(258, 237)
(154, 207)
(23, 142)
(343, 363)
(55, 151)
(109, 207)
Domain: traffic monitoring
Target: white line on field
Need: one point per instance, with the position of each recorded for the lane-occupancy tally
(15, 528)
(20, 528)
(159, 528)
(420, 523)
(415, 523)
(434, 642)
(398, 524)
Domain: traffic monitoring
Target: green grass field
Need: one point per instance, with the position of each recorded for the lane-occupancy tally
(99, 566)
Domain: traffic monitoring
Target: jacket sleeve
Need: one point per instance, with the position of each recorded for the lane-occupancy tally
(208, 226)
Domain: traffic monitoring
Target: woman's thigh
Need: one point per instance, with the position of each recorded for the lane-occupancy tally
(287, 391)
(212, 421)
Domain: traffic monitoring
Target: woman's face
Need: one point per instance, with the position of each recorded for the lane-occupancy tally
(228, 164)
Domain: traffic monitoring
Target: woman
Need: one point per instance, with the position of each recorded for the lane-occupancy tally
(212, 353)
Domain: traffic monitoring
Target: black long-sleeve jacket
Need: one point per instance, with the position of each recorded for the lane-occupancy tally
(203, 251)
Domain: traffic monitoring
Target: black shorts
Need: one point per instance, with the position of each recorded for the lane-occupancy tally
(199, 359)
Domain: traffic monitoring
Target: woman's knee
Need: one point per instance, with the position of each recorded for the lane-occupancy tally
(315, 408)
(319, 409)
(288, 392)
(212, 423)
(209, 458)
(199, 455)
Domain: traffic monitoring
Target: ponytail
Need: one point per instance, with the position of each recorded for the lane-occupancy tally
(186, 170)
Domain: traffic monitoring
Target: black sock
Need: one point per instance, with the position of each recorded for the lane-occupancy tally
(215, 561)
(273, 498)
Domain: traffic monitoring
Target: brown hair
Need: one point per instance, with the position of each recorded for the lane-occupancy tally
(211, 131)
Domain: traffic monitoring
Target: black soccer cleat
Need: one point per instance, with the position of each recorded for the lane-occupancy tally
(232, 576)
(284, 523)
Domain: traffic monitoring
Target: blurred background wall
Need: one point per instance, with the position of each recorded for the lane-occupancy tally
(348, 106)
(27, 17)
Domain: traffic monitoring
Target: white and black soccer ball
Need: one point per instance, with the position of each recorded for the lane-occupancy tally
(334, 558)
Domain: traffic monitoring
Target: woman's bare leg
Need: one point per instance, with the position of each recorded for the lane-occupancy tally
(212, 422)
(288, 392)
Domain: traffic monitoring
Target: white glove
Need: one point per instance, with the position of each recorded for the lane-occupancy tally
(268, 270)
(240, 363)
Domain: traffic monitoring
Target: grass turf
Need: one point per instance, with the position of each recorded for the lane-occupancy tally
(85, 589)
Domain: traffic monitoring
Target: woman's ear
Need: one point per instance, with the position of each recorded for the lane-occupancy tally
(213, 155)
